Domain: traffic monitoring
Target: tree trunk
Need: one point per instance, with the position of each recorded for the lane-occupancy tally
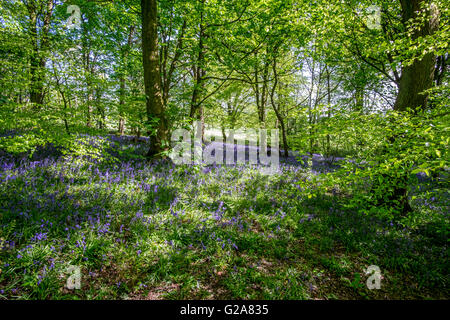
(89, 107)
(261, 93)
(152, 79)
(88, 75)
(277, 111)
(417, 77)
(328, 147)
(40, 48)
(199, 73)
(122, 88)
(224, 135)
(66, 124)
(35, 84)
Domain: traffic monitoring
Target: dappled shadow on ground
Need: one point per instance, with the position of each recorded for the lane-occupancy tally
(158, 230)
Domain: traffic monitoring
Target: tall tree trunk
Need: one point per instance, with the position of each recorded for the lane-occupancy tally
(66, 124)
(224, 134)
(261, 93)
(264, 94)
(100, 109)
(88, 66)
(122, 88)
(310, 108)
(40, 48)
(121, 105)
(277, 110)
(201, 118)
(199, 74)
(417, 77)
(35, 90)
(89, 110)
(63, 96)
(328, 147)
(121, 125)
(152, 78)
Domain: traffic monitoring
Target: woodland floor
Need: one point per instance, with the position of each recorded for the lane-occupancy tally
(141, 230)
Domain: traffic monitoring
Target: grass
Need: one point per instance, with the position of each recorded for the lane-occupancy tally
(140, 230)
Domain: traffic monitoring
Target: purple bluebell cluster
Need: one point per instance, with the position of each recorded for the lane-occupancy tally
(57, 209)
